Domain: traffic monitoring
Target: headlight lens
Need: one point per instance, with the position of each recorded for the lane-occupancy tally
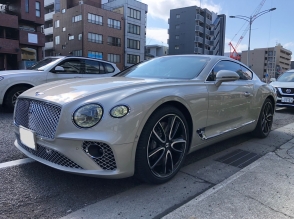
(88, 116)
(119, 111)
(1, 78)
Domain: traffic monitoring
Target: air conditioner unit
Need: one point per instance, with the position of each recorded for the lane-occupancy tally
(81, 2)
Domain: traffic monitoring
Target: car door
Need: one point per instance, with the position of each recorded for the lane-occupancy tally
(230, 103)
(95, 69)
(72, 69)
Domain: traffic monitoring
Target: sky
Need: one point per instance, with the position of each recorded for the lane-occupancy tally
(267, 30)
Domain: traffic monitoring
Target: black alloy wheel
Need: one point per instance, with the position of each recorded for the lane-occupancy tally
(165, 137)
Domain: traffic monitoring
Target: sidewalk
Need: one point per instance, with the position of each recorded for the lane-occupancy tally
(264, 189)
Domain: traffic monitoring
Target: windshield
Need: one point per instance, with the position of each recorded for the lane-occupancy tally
(286, 77)
(168, 67)
(42, 63)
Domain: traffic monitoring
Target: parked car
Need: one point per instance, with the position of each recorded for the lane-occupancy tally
(285, 89)
(144, 120)
(14, 82)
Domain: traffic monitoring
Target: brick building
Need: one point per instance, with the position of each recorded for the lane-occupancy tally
(83, 28)
(21, 37)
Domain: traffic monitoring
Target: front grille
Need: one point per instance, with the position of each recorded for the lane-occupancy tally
(107, 160)
(288, 90)
(49, 155)
(41, 117)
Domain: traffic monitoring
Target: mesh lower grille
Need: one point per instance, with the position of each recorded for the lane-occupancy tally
(49, 155)
(41, 117)
(107, 160)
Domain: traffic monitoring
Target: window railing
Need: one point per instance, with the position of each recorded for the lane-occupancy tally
(95, 41)
(95, 22)
(114, 26)
(114, 44)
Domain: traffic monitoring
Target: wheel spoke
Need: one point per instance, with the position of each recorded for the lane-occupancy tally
(157, 135)
(155, 151)
(174, 128)
(158, 160)
(177, 141)
(168, 158)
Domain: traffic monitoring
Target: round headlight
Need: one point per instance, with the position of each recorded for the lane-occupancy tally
(88, 116)
(119, 111)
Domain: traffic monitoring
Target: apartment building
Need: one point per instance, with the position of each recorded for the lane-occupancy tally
(21, 36)
(272, 61)
(83, 28)
(194, 30)
(135, 18)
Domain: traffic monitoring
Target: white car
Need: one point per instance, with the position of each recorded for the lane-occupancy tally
(285, 89)
(14, 82)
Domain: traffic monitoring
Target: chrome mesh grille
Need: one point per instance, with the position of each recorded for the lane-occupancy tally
(50, 155)
(41, 117)
(107, 160)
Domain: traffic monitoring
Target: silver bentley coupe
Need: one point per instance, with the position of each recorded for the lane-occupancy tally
(144, 120)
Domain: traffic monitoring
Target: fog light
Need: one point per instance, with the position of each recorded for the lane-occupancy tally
(94, 151)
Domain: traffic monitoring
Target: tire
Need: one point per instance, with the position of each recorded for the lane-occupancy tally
(265, 120)
(162, 146)
(11, 96)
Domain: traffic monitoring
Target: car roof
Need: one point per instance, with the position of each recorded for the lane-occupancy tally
(79, 57)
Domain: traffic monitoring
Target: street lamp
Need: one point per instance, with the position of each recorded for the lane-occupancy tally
(250, 20)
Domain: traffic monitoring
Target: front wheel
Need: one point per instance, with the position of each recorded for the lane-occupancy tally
(12, 96)
(162, 146)
(265, 120)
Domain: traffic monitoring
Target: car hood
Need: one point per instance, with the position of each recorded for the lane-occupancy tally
(14, 72)
(66, 91)
(283, 84)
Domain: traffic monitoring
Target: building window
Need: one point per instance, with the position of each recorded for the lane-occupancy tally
(71, 37)
(113, 23)
(177, 37)
(95, 19)
(113, 41)
(95, 38)
(178, 16)
(113, 58)
(80, 36)
(133, 44)
(64, 29)
(56, 24)
(57, 40)
(63, 46)
(76, 18)
(135, 29)
(177, 47)
(134, 13)
(27, 6)
(38, 9)
(133, 59)
(63, 11)
(178, 26)
(95, 55)
(77, 53)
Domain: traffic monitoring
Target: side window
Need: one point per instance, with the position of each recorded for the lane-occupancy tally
(91, 67)
(108, 68)
(224, 65)
(247, 74)
(102, 69)
(71, 67)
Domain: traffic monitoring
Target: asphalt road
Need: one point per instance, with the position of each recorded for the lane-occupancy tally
(36, 191)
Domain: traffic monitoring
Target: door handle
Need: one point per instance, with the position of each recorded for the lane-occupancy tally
(247, 94)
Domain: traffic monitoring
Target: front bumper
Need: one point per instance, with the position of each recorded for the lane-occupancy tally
(69, 155)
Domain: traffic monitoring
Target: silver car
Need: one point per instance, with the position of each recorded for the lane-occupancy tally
(145, 120)
(285, 89)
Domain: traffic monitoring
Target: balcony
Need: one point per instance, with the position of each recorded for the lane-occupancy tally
(49, 16)
(198, 39)
(7, 20)
(199, 17)
(31, 38)
(48, 45)
(198, 50)
(48, 31)
(48, 2)
(199, 28)
(9, 46)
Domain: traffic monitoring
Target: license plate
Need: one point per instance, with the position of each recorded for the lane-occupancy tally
(27, 137)
(287, 99)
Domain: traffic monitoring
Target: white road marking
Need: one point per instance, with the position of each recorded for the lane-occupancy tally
(16, 163)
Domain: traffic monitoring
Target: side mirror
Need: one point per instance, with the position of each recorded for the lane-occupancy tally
(224, 76)
(58, 69)
(273, 80)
